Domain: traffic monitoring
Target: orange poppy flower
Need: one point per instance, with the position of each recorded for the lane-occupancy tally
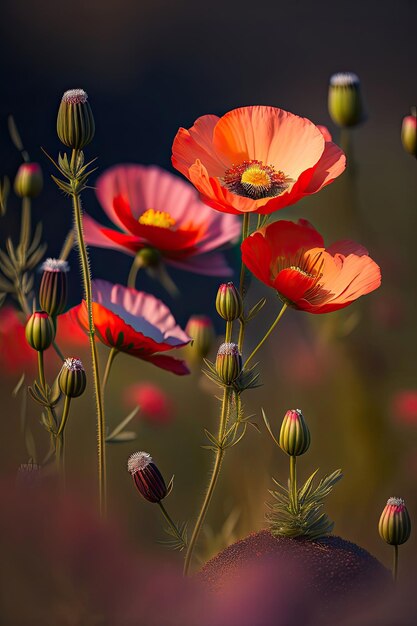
(256, 159)
(292, 259)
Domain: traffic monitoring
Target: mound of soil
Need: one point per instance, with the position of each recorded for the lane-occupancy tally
(331, 567)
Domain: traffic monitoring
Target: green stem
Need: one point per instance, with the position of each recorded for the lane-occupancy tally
(245, 233)
(65, 413)
(213, 480)
(293, 483)
(26, 223)
(58, 351)
(268, 332)
(67, 246)
(101, 424)
(395, 565)
(171, 523)
(112, 355)
(135, 267)
(41, 370)
(229, 328)
(59, 439)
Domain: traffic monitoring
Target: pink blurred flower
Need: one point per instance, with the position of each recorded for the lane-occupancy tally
(404, 406)
(154, 209)
(155, 405)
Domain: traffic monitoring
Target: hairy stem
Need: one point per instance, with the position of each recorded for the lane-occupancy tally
(101, 424)
(268, 332)
(213, 480)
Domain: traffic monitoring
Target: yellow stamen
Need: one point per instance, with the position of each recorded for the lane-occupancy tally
(156, 218)
(256, 176)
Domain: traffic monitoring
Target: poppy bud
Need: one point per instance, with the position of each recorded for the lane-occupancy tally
(54, 286)
(228, 362)
(75, 122)
(394, 524)
(228, 302)
(149, 257)
(409, 133)
(40, 331)
(294, 436)
(29, 180)
(72, 379)
(345, 100)
(200, 329)
(147, 477)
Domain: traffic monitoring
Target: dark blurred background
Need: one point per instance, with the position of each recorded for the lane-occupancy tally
(151, 67)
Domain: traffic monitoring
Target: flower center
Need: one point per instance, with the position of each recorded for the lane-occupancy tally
(156, 218)
(253, 179)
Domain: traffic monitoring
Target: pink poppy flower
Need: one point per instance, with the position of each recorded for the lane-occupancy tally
(136, 323)
(153, 209)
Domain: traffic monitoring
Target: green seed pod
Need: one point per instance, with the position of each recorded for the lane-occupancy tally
(294, 436)
(71, 379)
(228, 302)
(228, 362)
(29, 180)
(409, 133)
(147, 477)
(395, 524)
(40, 331)
(75, 123)
(149, 257)
(54, 286)
(345, 100)
(200, 329)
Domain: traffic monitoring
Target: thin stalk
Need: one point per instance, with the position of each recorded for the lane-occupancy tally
(171, 523)
(67, 246)
(59, 439)
(395, 564)
(245, 233)
(26, 224)
(112, 355)
(293, 483)
(213, 480)
(58, 351)
(101, 424)
(229, 328)
(134, 269)
(41, 370)
(268, 332)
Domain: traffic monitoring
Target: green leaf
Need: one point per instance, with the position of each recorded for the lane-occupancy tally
(256, 309)
(122, 425)
(124, 437)
(269, 429)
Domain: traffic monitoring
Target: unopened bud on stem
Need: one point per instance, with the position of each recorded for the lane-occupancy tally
(228, 363)
(147, 477)
(294, 437)
(75, 123)
(228, 302)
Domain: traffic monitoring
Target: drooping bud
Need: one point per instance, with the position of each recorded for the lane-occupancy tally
(54, 286)
(229, 302)
(29, 180)
(200, 329)
(72, 379)
(395, 524)
(294, 436)
(75, 123)
(147, 477)
(228, 362)
(409, 133)
(345, 102)
(40, 331)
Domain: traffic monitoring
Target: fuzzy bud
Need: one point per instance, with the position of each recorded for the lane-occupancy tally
(409, 133)
(54, 286)
(29, 180)
(40, 331)
(228, 362)
(200, 329)
(229, 302)
(345, 100)
(294, 436)
(395, 524)
(147, 477)
(72, 379)
(75, 123)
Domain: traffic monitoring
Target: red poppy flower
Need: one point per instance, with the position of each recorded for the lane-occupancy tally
(155, 405)
(16, 354)
(404, 406)
(154, 209)
(136, 323)
(256, 159)
(292, 259)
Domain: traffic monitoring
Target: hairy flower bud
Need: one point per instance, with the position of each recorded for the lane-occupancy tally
(200, 329)
(147, 477)
(294, 436)
(40, 331)
(75, 122)
(54, 286)
(395, 524)
(345, 100)
(72, 379)
(229, 302)
(409, 133)
(29, 180)
(228, 362)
